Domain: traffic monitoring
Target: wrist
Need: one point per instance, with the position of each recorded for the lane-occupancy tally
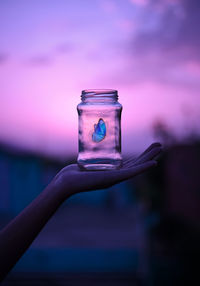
(60, 187)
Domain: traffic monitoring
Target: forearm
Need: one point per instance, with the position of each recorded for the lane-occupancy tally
(17, 236)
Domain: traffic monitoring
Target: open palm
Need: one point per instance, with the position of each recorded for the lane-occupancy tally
(76, 180)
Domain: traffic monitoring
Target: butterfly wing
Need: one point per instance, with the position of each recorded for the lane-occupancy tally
(99, 131)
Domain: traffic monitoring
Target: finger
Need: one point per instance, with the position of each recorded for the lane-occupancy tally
(130, 159)
(114, 177)
(153, 145)
(133, 159)
(148, 156)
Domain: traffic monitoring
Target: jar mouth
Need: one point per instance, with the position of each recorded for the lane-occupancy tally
(94, 93)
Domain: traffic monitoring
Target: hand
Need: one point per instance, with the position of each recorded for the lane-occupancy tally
(17, 236)
(74, 180)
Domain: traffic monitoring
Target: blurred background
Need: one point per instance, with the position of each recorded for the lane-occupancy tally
(145, 231)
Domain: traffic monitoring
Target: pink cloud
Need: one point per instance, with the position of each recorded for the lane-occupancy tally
(109, 6)
(140, 2)
(151, 58)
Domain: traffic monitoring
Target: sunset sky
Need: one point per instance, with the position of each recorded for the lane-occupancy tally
(149, 50)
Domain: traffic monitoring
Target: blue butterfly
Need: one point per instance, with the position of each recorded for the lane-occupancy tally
(99, 131)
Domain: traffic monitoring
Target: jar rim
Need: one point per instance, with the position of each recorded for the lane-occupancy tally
(87, 93)
(99, 91)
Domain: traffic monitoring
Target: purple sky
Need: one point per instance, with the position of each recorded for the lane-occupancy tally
(51, 50)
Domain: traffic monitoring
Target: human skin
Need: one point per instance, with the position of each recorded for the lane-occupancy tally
(18, 235)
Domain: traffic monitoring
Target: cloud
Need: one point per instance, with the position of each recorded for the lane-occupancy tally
(64, 48)
(109, 6)
(177, 34)
(40, 60)
(46, 59)
(140, 2)
(3, 58)
(165, 46)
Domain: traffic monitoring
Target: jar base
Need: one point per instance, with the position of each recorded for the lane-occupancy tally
(92, 165)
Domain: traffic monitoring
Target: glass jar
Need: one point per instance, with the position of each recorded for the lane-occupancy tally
(99, 130)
